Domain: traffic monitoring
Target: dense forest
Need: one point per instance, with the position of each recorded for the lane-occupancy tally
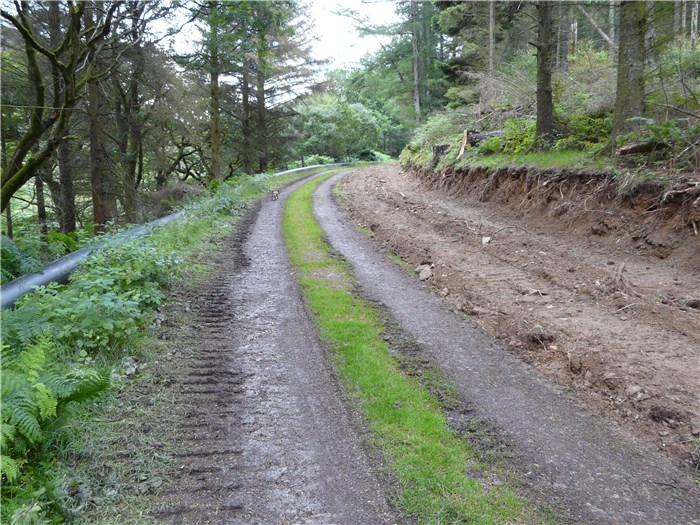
(107, 123)
(102, 122)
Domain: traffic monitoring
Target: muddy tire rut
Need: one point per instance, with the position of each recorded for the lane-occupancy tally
(267, 437)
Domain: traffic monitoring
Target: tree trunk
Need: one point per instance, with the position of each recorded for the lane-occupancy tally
(134, 143)
(66, 192)
(8, 222)
(492, 37)
(629, 99)
(573, 35)
(214, 96)
(246, 157)
(3, 164)
(694, 26)
(545, 50)
(611, 21)
(416, 60)
(104, 203)
(40, 204)
(262, 118)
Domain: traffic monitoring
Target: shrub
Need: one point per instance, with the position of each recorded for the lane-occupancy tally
(312, 160)
(16, 261)
(519, 136)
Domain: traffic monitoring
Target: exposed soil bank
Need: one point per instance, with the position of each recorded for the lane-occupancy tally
(265, 435)
(604, 310)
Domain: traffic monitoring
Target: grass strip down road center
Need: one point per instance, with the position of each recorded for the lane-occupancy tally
(427, 460)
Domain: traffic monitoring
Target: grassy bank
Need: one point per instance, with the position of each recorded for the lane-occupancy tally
(425, 457)
(78, 398)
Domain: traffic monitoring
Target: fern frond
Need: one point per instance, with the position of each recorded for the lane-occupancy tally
(45, 400)
(7, 434)
(87, 385)
(9, 468)
(27, 424)
(32, 359)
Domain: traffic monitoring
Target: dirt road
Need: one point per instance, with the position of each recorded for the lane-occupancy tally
(597, 470)
(268, 438)
(596, 300)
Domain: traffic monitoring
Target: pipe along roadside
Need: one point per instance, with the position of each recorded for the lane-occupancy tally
(59, 270)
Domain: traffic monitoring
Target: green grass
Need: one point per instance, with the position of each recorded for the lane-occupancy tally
(425, 457)
(546, 159)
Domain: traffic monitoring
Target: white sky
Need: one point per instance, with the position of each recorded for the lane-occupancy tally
(338, 39)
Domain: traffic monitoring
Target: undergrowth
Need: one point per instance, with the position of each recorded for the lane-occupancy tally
(425, 456)
(65, 345)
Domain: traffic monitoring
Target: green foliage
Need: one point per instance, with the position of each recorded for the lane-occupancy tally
(491, 145)
(63, 243)
(16, 261)
(335, 128)
(585, 132)
(319, 159)
(35, 390)
(519, 136)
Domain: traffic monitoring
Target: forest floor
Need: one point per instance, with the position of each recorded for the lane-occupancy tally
(598, 308)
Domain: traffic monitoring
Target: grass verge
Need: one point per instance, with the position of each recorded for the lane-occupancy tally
(426, 458)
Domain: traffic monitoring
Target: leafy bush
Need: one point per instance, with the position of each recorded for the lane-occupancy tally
(15, 261)
(319, 159)
(62, 243)
(585, 131)
(519, 136)
(491, 145)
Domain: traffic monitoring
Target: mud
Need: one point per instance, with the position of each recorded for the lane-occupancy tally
(599, 298)
(570, 447)
(266, 437)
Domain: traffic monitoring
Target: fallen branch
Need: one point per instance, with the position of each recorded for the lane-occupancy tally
(641, 147)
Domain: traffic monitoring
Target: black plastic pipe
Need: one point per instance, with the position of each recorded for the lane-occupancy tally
(59, 270)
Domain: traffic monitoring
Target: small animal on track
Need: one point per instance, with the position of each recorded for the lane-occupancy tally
(274, 195)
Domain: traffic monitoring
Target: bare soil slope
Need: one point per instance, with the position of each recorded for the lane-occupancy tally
(600, 297)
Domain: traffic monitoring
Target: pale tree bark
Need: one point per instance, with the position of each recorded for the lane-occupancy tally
(573, 35)
(545, 50)
(611, 21)
(629, 99)
(596, 26)
(416, 60)
(8, 209)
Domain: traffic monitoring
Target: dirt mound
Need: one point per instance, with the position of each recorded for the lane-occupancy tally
(594, 284)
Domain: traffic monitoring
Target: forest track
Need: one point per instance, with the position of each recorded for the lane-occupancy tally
(598, 471)
(266, 438)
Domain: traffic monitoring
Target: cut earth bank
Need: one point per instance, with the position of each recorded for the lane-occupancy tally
(600, 294)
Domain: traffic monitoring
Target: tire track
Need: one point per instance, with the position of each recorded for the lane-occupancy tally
(267, 438)
(597, 472)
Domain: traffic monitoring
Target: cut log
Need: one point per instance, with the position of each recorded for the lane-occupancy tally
(478, 137)
(641, 147)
